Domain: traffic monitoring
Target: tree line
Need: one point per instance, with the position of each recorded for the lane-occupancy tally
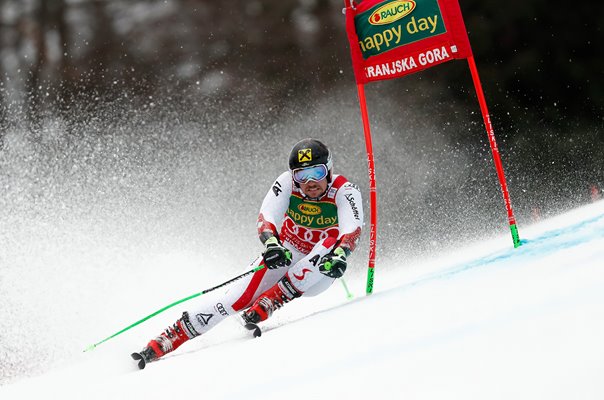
(530, 50)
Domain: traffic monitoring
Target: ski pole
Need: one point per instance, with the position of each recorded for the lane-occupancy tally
(93, 346)
(348, 294)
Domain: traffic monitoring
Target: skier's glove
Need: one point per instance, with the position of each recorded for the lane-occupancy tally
(275, 255)
(334, 263)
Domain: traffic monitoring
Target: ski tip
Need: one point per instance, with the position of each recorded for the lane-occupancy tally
(141, 361)
(254, 328)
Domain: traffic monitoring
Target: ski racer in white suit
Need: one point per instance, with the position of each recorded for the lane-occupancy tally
(320, 217)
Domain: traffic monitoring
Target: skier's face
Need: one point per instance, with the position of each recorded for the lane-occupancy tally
(314, 189)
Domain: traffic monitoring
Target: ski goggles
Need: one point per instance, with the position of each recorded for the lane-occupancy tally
(314, 173)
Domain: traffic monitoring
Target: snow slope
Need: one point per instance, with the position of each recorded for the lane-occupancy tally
(487, 322)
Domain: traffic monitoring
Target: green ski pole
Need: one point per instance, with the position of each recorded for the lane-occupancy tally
(93, 346)
(348, 294)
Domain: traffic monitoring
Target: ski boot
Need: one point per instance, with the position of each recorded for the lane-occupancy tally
(166, 342)
(275, 297)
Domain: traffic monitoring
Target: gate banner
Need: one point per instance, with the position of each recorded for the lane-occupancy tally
(393, 38)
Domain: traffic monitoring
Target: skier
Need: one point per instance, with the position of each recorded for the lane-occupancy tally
(320, 216)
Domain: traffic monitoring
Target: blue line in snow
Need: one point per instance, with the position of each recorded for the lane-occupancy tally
(557, 239)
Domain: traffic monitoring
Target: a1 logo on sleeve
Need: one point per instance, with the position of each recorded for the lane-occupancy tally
(277, 188)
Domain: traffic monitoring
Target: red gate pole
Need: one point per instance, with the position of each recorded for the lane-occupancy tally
(372, 188)
(496, 158)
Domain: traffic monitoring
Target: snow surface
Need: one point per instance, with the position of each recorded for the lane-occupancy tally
(486, 322)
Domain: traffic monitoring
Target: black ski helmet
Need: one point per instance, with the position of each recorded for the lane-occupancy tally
(309, 152)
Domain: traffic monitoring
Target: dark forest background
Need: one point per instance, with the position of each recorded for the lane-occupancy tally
(540, 56)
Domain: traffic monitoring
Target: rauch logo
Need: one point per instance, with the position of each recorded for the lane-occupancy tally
(309, 209)
(391, 12)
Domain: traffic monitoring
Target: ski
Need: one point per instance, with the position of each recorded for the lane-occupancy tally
(142, 360)
(250, 326)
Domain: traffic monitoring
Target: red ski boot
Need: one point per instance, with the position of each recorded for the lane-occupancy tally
(168, 341)
(280, 293)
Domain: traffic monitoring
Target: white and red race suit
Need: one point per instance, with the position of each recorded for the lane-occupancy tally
(309, 228)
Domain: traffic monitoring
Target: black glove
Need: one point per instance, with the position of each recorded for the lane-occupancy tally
(275, 255)
(334, 263)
